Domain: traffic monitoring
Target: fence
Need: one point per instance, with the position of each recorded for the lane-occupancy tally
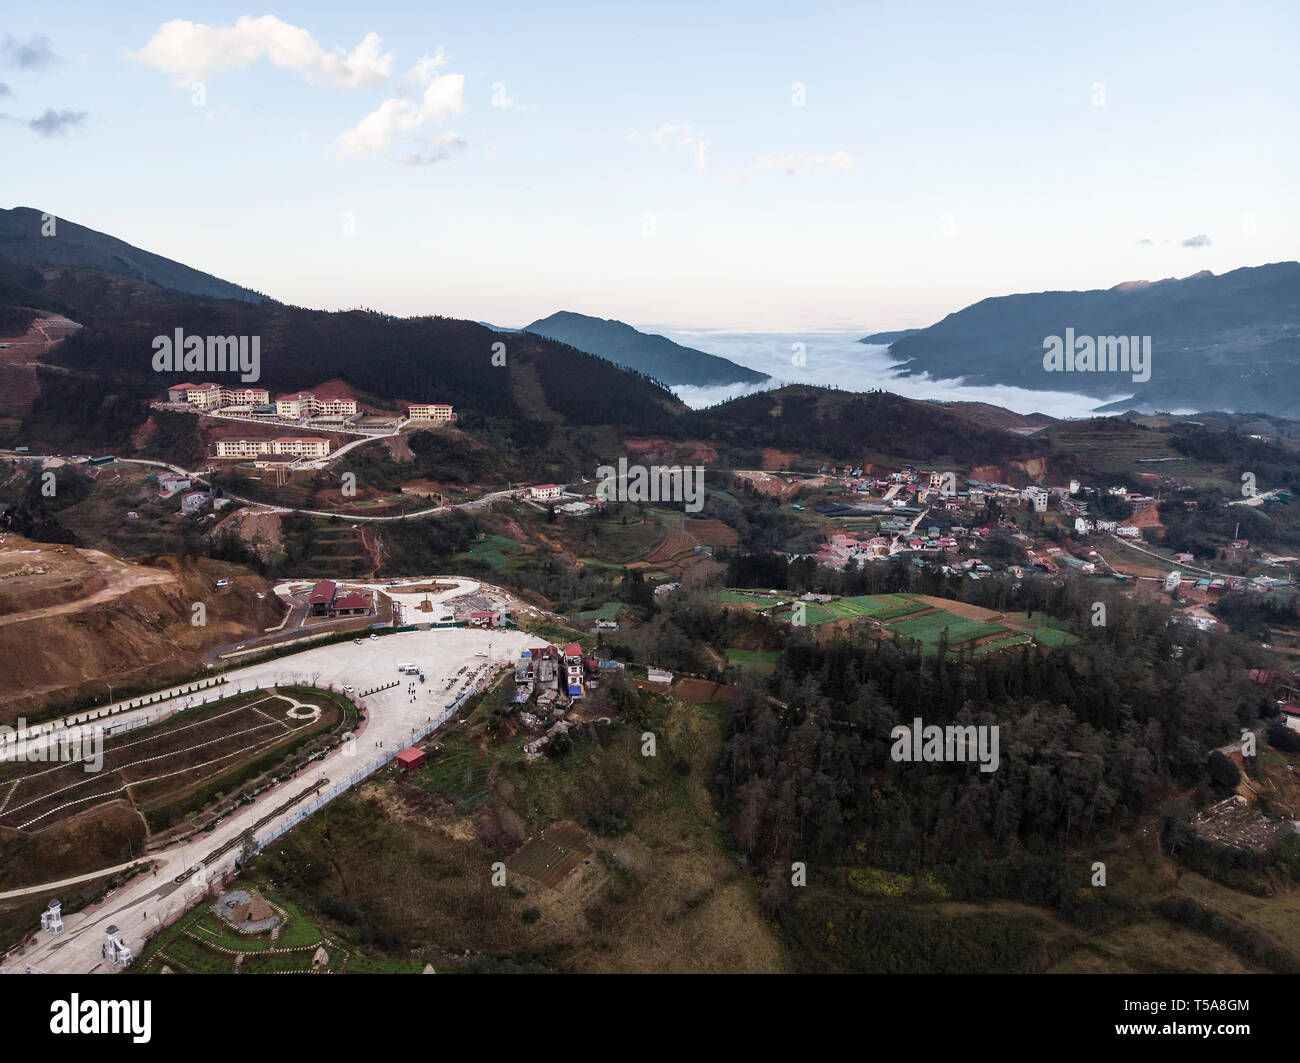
(318, 802)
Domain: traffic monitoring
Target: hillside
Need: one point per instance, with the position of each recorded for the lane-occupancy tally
(97, 620)
(855, 427)
(101, 381)
(1218, 342)
(75, 247)
(656, 356)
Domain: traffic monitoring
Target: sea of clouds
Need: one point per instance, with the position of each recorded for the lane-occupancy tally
(836, 359)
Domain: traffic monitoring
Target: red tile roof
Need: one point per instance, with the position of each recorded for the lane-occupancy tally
(355, 600)
(322, 593)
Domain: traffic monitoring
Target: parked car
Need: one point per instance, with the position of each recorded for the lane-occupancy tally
(373, 637)
(356, 642)
(348, 689)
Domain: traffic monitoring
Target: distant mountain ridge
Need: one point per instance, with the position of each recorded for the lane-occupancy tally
(1218, 342)
(656, 356)
(75, 247)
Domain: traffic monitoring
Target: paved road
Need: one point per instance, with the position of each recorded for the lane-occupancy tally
(392, 716)
(477, 503)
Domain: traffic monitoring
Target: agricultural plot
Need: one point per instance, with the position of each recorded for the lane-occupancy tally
(494, 550)
(929, 629)
(882, 607)
(553, 855)
(758, 599)
(458, 775)
(762, 662)
(1054, 637)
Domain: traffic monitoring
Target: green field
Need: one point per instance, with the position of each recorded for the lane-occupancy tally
(1051, 636)
(762, 662)
(736, 596)
(495, 550)
(928, 629)
(883, 607)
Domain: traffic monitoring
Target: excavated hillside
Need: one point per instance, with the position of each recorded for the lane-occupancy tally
(72, 621)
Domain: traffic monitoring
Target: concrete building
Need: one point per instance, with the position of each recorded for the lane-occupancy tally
(303, 447)
(52, 918)
(171, 482)
(545, 492)
(1037, 498)
(195, 501)
(297, 446)
(431, 412)
(305, 404)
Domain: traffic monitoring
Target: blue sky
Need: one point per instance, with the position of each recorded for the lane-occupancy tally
(653, 165)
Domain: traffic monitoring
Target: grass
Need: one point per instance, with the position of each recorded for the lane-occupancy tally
(762, 662)
(608, 611)
(929, 629)
(495, 550)
(192, 944)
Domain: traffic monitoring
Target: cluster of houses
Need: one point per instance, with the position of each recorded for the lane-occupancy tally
(560, 674)
(544, 494)
(256, 403)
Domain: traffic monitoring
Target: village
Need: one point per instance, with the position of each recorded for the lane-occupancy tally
(933, 519)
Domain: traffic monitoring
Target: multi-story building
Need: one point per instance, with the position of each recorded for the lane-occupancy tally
(574, 675)
(304, 447)
(545, 492)
(214, 396)
(431, 412)
(305, 404)
(204, 396)
(252, 448)
(242, 448)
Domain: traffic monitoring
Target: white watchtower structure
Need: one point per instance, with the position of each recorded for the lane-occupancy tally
(114, 949)
(52, 917)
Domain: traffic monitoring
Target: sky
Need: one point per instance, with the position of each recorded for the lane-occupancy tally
(753, 166)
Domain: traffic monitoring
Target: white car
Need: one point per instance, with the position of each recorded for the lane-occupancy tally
(348, 689)
(356, 642)
(373, 637)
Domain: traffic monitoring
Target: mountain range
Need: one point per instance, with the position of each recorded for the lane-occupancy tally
(656, 356)
(1217, 342)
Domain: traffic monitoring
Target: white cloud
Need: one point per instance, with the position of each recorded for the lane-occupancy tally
(400, 117)
(667, 131)
(191, 51)
(695, 144)
(790, 163)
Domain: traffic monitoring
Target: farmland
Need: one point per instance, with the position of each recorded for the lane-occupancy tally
(923, 618)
